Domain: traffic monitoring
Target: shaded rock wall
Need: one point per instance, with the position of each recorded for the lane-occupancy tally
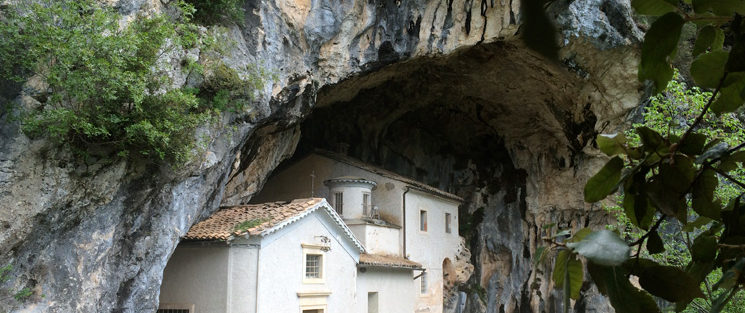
(441, 90)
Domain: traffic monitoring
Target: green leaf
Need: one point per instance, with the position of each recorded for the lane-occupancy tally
(668, 202)
(729, 99)
(562, 233)
(611, 144)
(624, 297)
(731, 276)
(602, 247)
(667, 282)
(719, 7)
(560, 268)
(702, 193)
(581, 234)
(708, 69)
(698, 270)
(654, 243)
(576, 276)
(605, 181)
(658, 71)
(651, 139)
(540, 256)
(704, 40)
(637, 209)
(652, 7)
(699, 222)
(736, 60)
(730, 162)
(660, 42)
(677, 175)
(704, 248)
(693, 144)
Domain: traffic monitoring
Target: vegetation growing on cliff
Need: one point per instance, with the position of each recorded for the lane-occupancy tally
(213, 11)
(687, 170)
(107, 86)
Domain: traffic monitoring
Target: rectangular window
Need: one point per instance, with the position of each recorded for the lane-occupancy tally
(339, 202)
(372, 302)
(423, 281)
(447, 223)
(313, 263)
(366, 204)
(423, 220)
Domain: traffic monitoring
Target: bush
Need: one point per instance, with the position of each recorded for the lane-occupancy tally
(105, 91)
(214, 11)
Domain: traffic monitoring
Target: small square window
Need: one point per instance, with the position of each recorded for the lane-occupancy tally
(447, 223)
(423, 220)
(313, 264)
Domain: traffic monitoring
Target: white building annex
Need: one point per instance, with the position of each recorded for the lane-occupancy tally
(381, 243)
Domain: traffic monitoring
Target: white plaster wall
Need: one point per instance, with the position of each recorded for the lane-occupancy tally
(281, 268)
(430, 248)
(241, 282)
(394, 286)
(197, 275)
(294, 182)
(352, 196)
(379, 239)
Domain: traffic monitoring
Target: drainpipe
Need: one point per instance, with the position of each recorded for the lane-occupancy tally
(403, 218)
(258, 259)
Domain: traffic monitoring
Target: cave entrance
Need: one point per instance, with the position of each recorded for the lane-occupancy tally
(493, 124)
(474, 123)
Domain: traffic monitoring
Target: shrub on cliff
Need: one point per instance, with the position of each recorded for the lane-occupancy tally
(106, 86)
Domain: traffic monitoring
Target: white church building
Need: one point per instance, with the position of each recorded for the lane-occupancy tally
(380, 243)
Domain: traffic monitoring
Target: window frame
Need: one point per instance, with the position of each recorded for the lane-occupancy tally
(314, 250)
(448, 223)
(423, 217)
(366, 204)
(423, 284)
(339, 202)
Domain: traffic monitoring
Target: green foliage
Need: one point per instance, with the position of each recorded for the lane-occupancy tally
(23, 294)
(675, 173)
(105, 87)
(214, 11)
(246, 225)
(20, 295)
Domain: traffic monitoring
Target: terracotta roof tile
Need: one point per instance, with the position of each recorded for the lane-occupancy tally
(225, 223)
(380, 260)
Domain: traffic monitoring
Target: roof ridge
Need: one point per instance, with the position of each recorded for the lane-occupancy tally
(386, 173)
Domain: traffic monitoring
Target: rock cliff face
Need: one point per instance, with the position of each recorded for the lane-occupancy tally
(439, 90)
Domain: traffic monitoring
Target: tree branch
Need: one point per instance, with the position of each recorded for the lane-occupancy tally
(727, 176)
(700, 117)
(654, 228)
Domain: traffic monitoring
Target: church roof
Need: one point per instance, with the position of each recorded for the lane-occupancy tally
(379, 260)
(262, 219)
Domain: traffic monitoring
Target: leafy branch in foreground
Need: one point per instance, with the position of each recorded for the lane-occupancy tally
(672, 176)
